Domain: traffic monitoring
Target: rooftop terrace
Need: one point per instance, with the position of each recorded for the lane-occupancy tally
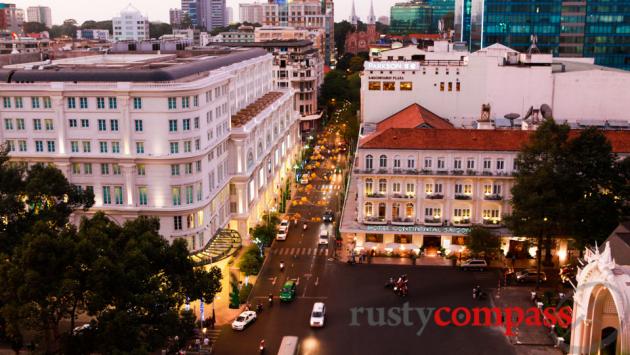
(245, 115)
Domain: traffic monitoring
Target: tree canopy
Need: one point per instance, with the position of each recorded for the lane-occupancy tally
(127, 278)
(482, 242)
(568, 185)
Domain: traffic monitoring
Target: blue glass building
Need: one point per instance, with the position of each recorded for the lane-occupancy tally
(591, 28)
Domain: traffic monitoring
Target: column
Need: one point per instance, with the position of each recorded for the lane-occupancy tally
(126, 124)
(130, 182)
(57, 105)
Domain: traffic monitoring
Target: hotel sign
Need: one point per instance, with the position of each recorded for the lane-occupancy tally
(391, 66)
(418, 229)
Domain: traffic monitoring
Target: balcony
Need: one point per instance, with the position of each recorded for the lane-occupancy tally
(471, 172)
(462, 222)
(492, 223)
(375, 195)
(434, 196)
(433, 221)
(487, 173)
(426, 172)
(401, 196)
(493, 197)
(375, 220)
(402, 221)
(463, 197)
(442, 172)
(457, 172)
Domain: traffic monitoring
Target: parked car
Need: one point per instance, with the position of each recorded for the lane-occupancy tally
(243, 320)
(474, 264)
(530, 276)
(329, 216)
(284, 225)
(318, 315)
(323, 237)
(282, 234)
(287, 293)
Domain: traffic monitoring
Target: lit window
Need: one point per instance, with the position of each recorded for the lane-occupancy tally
(389, 86)
(374, 85)
(406, 86)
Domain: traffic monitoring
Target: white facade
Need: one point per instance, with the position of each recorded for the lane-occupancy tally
(94, 34)
(455, 84)
(252, 13)
(39, 14)
(131, 25)
(157, 148)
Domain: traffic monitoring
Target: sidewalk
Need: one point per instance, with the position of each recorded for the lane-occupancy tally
(528, 340)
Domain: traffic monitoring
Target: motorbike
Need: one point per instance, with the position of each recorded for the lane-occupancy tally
(259, 308)
(390, 283)
(282, 266)
(478, 294)
(305, 226)
(270, 301)
(261, 346)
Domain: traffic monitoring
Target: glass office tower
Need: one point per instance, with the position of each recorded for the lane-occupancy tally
(607, 33)
(412, 17)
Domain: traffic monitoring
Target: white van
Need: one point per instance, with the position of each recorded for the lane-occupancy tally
(289, 345)
(318, 315)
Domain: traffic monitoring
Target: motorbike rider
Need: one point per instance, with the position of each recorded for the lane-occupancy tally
(281, 265)
(270, 300)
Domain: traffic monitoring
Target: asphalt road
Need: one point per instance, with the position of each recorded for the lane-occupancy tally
(344, 289)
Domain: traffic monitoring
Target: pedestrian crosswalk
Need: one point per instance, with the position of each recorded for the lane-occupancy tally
(301, 251)
(212, 335)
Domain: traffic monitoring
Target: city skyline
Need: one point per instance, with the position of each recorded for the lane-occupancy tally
(158, 11)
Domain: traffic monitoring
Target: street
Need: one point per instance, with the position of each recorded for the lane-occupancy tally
(343, 287)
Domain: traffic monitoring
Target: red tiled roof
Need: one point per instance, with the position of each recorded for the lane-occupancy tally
(246, 114)
(413, 116)
(470, 139)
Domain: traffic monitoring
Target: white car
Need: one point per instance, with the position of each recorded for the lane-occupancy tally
(284, 225)
(243, 320)
(282, 234)
(318, 315)
(323, 237)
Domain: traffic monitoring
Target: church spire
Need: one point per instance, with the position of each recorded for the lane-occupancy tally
(371, 18)
(353, 16)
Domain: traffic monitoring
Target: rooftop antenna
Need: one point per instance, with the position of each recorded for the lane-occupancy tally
(533, 49)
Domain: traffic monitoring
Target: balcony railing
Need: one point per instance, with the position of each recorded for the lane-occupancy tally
(487, 173)
(463, 197)
(457, 172)
(434, 196)
(492, 222)
(403, 221)
(375, 220)
(375, 195)
(441, 172)
(493, 197)
(404, 196)
(462, 222)
(433, 221)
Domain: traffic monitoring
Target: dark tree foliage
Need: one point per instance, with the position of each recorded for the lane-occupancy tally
(481, 242)
(34, 27)
(159, 29)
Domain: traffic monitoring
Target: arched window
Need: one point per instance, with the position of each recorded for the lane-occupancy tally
(268, 140)
(368, 209)
(382, 162)
(260, 149)
(250, 159)
(368, 186)
(368, 162)
(409, 211)
(396, 210)
(381, 209)
(382, 186)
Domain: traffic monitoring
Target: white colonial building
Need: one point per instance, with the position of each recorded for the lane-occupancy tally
(131, 25)
(151, 134)
(454, 83)
(419, 182)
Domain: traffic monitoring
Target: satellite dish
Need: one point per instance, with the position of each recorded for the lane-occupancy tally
(511, 117)
(529, 113)
(546, 111)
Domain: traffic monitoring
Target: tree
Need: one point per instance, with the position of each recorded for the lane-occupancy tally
(251, 261)
(566, 186)
(341, 31)
(159, 29)
(34, 27)
(186, 22)
(335, 86)
(482, 242)
(97, 25)
(356, 64)
(382, 28)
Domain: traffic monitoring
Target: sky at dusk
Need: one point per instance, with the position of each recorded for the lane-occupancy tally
(157, 10)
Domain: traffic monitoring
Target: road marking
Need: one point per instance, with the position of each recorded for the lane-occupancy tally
(274, 281)
(298, 281)
(316, 281)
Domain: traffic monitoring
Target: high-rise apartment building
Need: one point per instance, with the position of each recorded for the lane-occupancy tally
(41, 14)
(189, 8)
(11, 19)
(588, 28)
(252, 13)
(308, 14)
(211, 14)
(130, 25)
(175, 17)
